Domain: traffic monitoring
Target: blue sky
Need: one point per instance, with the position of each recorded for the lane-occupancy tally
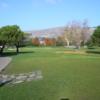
(41, 14)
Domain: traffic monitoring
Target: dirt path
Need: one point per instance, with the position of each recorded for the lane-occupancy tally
(4, 61)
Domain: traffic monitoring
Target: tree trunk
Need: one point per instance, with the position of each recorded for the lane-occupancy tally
(17, 49)
(67, 42)
(2, 49)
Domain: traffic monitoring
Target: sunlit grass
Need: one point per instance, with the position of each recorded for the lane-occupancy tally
(75, 76)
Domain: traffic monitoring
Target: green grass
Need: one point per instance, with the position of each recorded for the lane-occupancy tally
(74, 76)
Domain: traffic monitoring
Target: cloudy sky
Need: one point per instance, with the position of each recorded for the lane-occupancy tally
(40, 14)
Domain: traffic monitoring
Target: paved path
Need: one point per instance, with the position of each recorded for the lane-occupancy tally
(4, 61)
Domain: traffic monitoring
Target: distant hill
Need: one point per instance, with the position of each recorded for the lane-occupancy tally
(51, 32)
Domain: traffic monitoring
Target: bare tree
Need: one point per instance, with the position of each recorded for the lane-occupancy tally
(66, 36)
(85, 32)
(76, 33)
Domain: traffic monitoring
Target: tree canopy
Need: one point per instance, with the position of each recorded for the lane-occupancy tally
(96, 36)
(12, 35)
(76, 33)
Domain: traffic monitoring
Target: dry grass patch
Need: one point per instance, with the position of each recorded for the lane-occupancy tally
(72, 52)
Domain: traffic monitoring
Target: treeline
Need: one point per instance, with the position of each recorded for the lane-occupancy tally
(44, 42)
(58, 41)
(76, 34)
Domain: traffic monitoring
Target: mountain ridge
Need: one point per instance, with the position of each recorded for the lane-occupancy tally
(50, 32)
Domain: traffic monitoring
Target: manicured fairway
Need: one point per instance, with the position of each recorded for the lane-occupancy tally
(74, 76)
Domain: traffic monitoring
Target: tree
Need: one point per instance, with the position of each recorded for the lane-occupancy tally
(27, 40)
(85, 32)
(11, 35)
(35, 41)
(76, 32)
(50, 41)
(73, 34)
(16, 36)
(60, 41)
(96, 36)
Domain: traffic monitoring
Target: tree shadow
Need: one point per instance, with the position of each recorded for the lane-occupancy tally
(93, 52)
(91, 48)
(64, 99)
(4, 83)
(5, 54)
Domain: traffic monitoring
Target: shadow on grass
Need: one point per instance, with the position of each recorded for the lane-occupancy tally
(64, 99)
(4, 83)
(93, 52)
(5, 54)
(91, 48)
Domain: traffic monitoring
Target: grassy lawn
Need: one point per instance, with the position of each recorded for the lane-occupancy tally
(74, 76)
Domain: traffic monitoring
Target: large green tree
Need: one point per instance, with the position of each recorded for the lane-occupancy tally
(96, 36)
(12, 35)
